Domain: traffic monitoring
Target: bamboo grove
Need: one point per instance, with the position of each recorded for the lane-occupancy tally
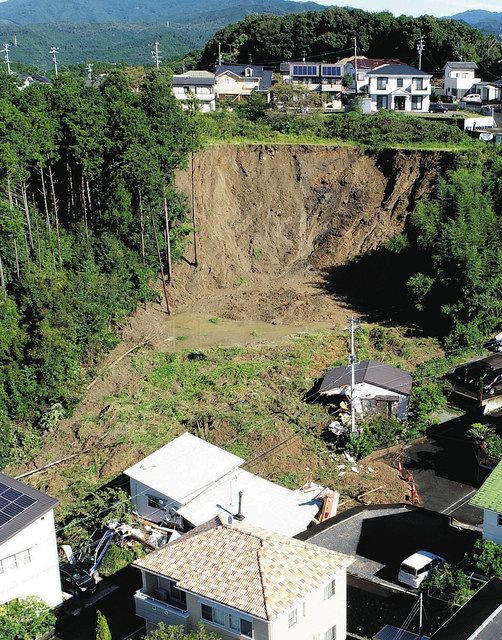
(87, 211)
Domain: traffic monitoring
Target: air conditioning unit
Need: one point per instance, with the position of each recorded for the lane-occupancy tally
(160, 594)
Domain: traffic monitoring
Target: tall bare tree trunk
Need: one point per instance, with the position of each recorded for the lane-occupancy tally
(9, 191)
(56, 213)
(27, 213)
(46, 204)
(84, 205)
(142, 225)
(2, 279)
(168, 242)
(16, 254)
(89, 200)
(168, 308)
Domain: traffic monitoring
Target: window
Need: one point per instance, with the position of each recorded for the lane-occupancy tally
(331, 71)
(381, 102)
(382, 83)
(360, 76)
(248, 72)
(419, 84)
(15, 561)
(499, 520)
(329, 590)
(416, 103)
(229, 620)
(400, 83)
(292, 618)
(156, 503)
(330, 634)
(177, 595)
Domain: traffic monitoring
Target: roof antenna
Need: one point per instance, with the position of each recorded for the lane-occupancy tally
(238, 515)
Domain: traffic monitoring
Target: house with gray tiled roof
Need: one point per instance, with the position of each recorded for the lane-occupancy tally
(244, 581)
(459, 78)
(236, 82)
(399, 87)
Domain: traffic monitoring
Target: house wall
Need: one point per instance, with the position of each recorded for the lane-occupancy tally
(204, 95)
(315, 614)
(30, 565)
(457, 82)
(492, 530)
(233, 87)
(139, 500)
(408, 85)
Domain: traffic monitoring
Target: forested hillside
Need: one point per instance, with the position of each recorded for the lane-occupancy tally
(270, 39)
(486, 21)
(85, 187)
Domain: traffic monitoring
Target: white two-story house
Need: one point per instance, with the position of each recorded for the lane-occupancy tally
(489, 498)
(399, 87)
(28, 551)
(198, 85)
(459, 77)
(245, 582)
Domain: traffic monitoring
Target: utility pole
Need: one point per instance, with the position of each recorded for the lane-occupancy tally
(54, 52)
(420, 49)
(15, 40)
(219, 53)
(156, 54)
(353, 326)
(5, 51)
(355, 64)
(89, 71)
(420, 615)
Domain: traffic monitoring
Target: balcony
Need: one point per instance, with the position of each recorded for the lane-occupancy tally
(155, 611)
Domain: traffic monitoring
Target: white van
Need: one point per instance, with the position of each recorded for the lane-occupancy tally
(417, 567)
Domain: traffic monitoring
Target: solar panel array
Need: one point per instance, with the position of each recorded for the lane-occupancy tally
(12, 503)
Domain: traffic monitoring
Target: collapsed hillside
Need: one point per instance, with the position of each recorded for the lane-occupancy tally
(272, 220)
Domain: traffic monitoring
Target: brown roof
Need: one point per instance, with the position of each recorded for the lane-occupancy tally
(245, 567)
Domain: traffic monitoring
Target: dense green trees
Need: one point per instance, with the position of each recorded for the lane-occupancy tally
(330, 33)
(26, 619)
(84, 175)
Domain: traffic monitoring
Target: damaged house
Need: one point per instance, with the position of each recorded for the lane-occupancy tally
(378, 388)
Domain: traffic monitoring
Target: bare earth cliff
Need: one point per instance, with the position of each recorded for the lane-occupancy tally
(271, 219)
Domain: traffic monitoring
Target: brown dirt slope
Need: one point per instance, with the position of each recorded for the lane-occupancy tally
(270, 218)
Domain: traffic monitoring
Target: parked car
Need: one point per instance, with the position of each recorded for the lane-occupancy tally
(495, 344)
(417, 567)
(437, 107)
(472, 97)
(76, 580)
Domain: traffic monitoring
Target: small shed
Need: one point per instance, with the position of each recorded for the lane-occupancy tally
(378, 388)
(189, 481)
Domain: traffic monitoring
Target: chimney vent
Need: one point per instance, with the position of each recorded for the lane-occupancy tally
(238, 515)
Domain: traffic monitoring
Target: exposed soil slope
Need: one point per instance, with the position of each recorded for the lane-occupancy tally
(272, 218)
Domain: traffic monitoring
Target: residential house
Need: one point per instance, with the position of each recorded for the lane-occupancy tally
(479, 619)
(364, 65)
(242, 581)
(399, 87)
(479, 383)
(236, 82)
(321, 77)
(459, 78)
(378, 388)
(27, 79)
(198, 85)
(489, 498)
(29, 563)
(189, 481)
(489, 91)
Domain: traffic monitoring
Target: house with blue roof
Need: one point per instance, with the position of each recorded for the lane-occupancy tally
(236, 82)
(399, 87)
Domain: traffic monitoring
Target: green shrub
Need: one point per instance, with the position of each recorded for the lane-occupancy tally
(102, 628)
(117, 557)
(377, 432)
(26, 619)
(450, 584)
(486, 558)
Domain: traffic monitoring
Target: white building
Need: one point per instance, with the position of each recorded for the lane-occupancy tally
(399, 87)
(459, 78)
(200, 85)
(378, 388)
(489, 498)
(245, 582)
(322, 77)
(29, 563)
(189, 481)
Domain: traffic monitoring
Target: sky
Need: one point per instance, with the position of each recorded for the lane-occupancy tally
(414, 8)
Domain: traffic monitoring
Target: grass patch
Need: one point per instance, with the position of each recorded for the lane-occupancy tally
(215, 320)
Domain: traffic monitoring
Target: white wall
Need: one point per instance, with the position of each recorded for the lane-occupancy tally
(491, 529)
(228, 84)
(457, 82)
(38, 573)
(139, 499)
(408, 85)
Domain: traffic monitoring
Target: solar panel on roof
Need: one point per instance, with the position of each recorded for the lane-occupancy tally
(12, 503)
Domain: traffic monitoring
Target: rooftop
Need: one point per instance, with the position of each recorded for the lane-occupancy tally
(479, 619)
(250, 569)
(257, 71)
(461, 65)
(489, 495)
(395, 69)
(20, 506)
(371, 372)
